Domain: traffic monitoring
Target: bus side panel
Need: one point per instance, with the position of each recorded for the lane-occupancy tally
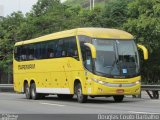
(75, 71)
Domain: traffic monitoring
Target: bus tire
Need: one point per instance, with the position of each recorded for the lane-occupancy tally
(34, 94)
(118, 98)
(27, 91)
(80, 97)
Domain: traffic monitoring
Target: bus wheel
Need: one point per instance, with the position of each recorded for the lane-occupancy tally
(34, 94)
(27, 91)
(63, 96)
(80, 97)
(118, 98)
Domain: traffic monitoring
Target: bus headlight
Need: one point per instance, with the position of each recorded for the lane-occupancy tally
(117, 84)
(98, 81)
(137, 82)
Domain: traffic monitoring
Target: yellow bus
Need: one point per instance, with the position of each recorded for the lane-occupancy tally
(83, 62)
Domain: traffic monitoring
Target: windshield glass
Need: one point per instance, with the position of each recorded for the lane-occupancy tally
(116, 58)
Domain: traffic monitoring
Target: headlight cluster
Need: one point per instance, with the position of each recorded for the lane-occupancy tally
(116, 85)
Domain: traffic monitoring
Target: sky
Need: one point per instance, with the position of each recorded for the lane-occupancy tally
(9, 6)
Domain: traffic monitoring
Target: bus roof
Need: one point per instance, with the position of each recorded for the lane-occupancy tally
(92, 32)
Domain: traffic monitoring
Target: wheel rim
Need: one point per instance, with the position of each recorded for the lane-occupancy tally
(27, 91)
(79, 94)
(33, 92)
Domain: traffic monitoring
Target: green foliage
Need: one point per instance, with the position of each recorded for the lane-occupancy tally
(139, 17)
(10, 28)
(144, 24)
(85, 3)
(115, 13)
(76, 2)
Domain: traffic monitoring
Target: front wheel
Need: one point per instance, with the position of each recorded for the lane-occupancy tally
(118, 98)
(80, 97)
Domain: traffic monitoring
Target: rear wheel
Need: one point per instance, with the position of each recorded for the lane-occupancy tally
(80, 97)
(118, 98)
(34, 94)
(27, 91)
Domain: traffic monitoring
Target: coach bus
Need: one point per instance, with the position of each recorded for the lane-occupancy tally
(83, 62)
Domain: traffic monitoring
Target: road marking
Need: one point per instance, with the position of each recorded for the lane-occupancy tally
(59, 105)
(142, 112)
(10, 94)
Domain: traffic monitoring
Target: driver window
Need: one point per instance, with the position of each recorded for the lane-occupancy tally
(86, 52)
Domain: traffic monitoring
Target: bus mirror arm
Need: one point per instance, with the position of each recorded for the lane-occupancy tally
(145, 51)
(92, 48)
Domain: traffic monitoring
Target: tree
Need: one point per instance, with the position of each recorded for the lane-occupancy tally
(115, 13)
(10, 27)
(144, 23)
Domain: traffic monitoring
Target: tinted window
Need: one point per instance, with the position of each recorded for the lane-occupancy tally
(17, 53)
(59, 48)
(71, 47)
(50, 49)
(23, 55)
(37, 51)
(31, 50)
(66, 47)
(86, 53)
(43, 50)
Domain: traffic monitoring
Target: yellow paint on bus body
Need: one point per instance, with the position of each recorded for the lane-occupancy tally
(58, 75)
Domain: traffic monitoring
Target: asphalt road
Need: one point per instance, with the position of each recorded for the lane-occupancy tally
(11, 103)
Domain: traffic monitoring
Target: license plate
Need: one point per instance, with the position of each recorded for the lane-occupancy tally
(120, 91)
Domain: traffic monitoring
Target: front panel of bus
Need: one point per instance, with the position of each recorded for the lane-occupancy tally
(115, 70)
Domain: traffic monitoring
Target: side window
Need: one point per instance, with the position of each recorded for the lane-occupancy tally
(23, 56)
(43, 50)
(37, 51)
(55, 44)
(59, 46)
(71, 47)
(85, 51)
(17, 53)
(64, 48)
(87, 60)
(50, 49)
(31, 52)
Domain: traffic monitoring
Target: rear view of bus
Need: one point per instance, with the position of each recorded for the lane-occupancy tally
(106, 64)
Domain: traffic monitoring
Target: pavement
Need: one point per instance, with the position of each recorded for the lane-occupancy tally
(13, 103)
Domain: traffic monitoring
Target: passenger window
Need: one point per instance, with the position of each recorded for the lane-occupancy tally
(71, 48)
(59, 47)
(31, 52)
(23, 56)
(43, 53)
(17, 53)
(37, 51)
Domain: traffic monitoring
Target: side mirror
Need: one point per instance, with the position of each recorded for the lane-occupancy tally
(145, 51)
(93, 49)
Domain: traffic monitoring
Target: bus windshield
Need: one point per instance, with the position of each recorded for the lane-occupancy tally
(116, 58)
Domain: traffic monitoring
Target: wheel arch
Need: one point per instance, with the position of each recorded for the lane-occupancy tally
(76, 82)
(32, 81)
